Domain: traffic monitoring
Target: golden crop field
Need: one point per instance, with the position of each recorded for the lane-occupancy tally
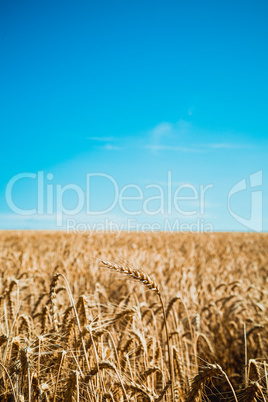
(83, 317)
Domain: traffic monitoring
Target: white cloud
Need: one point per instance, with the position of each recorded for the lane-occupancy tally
(102, 139)
(172, 148)
(166, 130)
(162, 130)
(184, 137)
(110, 147)
(181, 136)
(225, 145)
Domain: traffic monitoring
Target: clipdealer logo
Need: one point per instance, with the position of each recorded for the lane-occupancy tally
(166, 200)
(255, 221)
(169, 201)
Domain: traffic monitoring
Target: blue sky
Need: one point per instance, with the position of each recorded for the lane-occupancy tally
(140, 91)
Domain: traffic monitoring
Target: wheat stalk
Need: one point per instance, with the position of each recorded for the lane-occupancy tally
(142, 277)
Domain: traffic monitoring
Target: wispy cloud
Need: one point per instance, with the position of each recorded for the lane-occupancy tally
(110, 147)
(225, 145)
(166, 130)
(172, 148)
(162, 131)
(102, 139)
(183, 136)
(106, 143)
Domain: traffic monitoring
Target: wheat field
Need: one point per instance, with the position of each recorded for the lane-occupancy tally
(133, 317)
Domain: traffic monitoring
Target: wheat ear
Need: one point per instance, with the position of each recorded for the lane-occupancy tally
(134, 273)
(204, 377)
(142, 277)
(251, 392)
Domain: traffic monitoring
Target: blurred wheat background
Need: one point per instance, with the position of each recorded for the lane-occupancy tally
(74, 329)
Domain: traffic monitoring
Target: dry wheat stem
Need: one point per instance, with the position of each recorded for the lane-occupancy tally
(140, 276)
(8, 376)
